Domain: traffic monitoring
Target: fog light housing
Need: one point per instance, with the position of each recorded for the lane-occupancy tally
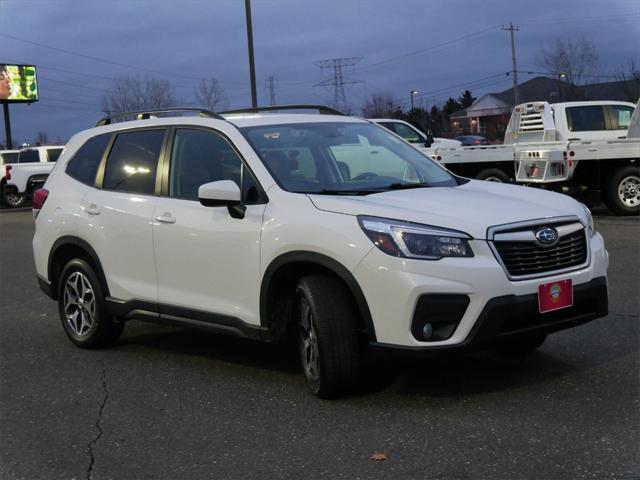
(437, 315)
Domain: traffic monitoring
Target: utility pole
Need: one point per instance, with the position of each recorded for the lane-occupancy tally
(339, 80)
(252, 67)
(7, 125)
(272, 89)
(514, 72)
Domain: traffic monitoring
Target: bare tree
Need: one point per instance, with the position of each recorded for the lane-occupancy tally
(210, 95)
(378, 105)
(41, 138)
(630, 76)
(128, 94)
(575, 61)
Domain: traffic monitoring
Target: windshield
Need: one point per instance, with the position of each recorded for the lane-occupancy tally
(342, 158)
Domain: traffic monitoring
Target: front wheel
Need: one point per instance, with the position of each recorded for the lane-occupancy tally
(81, 307)
(493, 175)
(328, 338)
(622, 191)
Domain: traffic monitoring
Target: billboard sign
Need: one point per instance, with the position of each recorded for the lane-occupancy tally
(18, 83)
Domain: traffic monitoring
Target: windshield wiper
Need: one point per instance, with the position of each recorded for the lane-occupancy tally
(404, 186)
(342, 192)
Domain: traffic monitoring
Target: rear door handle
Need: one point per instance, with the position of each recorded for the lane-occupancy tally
(166, 218)
(93, 209)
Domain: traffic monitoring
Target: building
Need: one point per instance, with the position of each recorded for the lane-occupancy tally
(489, 114)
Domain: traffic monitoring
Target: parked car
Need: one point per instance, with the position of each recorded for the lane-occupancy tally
(29, 173)
(322, 227)
(471, 140)
(412, 135)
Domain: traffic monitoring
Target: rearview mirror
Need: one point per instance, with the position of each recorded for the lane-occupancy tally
(223, 193)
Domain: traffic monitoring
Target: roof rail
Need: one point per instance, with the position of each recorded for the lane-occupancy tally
(145, 114)
(275, 108)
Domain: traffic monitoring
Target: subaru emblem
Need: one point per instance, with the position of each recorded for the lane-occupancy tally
(547, 235)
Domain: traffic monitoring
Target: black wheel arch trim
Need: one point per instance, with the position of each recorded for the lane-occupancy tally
(84, 245)
(323, 261)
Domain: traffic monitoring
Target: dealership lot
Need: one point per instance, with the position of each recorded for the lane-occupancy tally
(167, 403)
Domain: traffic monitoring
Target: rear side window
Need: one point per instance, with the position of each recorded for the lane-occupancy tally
(585, 119)
(29, 156)
(54, 154)
(10, 157)
(133, 161)
(84, 164)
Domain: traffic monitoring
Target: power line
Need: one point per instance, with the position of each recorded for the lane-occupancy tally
(428, 49)
(601, 18)
(97, 59)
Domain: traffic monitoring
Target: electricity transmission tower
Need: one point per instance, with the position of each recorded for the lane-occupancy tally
(338, 81)
(271, 85)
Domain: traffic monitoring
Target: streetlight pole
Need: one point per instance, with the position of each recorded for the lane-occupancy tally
(252, 67)
(411, 94)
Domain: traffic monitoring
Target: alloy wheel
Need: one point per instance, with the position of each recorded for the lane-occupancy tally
(79, 304)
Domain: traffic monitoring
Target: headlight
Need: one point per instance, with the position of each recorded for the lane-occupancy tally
(591, 226)
(404, 239)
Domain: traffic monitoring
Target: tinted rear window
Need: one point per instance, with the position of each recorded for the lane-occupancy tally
(133, 162)
(10, 157)
(84, 164)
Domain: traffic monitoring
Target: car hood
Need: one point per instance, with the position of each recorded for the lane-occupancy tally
(472, 207)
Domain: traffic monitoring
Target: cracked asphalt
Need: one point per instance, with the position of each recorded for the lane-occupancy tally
(172, 404)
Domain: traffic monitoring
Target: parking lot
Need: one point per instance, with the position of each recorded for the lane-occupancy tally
(168, 403)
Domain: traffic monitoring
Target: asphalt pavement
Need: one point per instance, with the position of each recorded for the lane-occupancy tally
(174, 404)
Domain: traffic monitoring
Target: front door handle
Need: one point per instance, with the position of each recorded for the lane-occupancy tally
(166, 218)
(93, 209)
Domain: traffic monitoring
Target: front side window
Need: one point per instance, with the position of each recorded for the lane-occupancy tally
(84, 164)
(406, 132)
(133, 162)
(620, 117)
(350, 158)
(200, 157)
(53, 154)
(586, 119)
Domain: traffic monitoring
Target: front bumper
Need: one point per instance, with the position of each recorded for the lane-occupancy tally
(393, 288)
(513, 316)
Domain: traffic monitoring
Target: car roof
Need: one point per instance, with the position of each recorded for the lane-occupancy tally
(257, 119)
(592, 102)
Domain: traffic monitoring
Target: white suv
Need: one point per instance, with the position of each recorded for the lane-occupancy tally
(325, 227)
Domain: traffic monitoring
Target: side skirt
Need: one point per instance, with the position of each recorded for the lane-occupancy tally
(186, 317)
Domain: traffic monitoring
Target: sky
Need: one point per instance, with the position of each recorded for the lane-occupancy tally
(437, 47)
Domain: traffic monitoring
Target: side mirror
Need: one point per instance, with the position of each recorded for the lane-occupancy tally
(223, 193)
(429, 141)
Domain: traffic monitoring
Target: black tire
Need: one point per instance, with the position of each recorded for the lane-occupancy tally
(521, 345)
(333, 323)
(621, 191)
(100, 329)
(493, 175)
(13, 199)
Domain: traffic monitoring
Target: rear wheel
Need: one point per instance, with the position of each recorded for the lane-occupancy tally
(81, 307)
(522, 345)
(622, 191)
(13, 199)
(493, 175)
(327, 335)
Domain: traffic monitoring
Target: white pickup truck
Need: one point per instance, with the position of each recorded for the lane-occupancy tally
(27, 174)
(540, 126)
(605, 167)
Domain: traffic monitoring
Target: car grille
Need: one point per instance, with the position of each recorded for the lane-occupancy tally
(530, 258)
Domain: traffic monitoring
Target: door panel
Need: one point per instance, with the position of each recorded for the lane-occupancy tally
(207, 260)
